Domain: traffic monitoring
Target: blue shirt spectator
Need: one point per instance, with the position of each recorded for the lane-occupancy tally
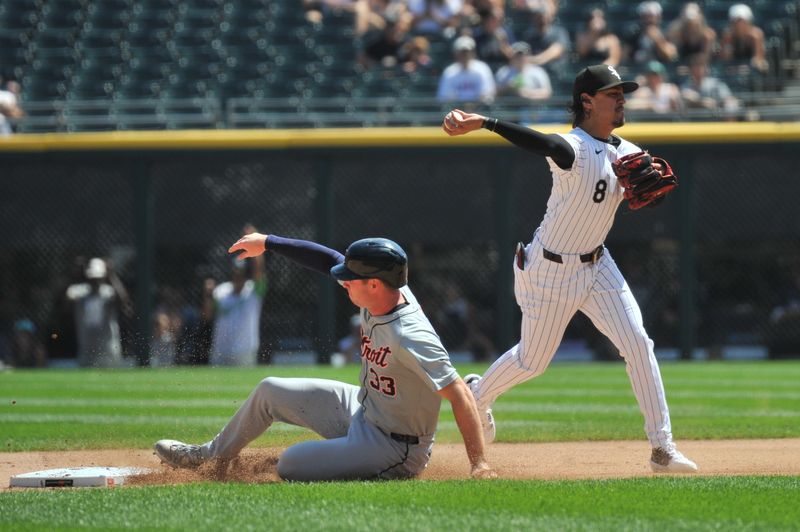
(467, 79)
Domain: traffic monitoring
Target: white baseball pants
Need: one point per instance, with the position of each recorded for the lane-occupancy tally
(549, 294)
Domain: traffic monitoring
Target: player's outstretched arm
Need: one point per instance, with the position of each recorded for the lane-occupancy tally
(304, 252)
(458, 122)
(469, 424)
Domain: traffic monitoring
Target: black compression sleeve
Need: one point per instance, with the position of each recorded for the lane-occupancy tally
(553, 146)
(306, 253)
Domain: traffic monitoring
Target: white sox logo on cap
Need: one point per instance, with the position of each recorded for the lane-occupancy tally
(614, 72)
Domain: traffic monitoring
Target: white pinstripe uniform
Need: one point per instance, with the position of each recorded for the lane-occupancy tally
(580, 212)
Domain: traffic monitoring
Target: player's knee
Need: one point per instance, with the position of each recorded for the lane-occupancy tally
(292, 465)
(266, 388)
(640, 345)
(531, 365)
(286, 467)
(531, 369)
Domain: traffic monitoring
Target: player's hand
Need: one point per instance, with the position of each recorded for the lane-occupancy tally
(457, 122)
(482, 470)
(251, 245)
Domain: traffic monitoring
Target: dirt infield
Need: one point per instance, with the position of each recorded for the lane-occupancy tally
(545, 461)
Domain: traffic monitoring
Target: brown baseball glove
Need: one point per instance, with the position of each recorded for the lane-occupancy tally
(645, 178)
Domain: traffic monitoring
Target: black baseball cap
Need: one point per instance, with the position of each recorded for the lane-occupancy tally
(374, 258)
(598, 78)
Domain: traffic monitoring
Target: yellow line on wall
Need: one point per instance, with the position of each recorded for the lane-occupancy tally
(645, 133)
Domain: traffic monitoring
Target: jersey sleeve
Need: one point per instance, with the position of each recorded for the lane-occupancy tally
(306, 253)
(548, 145)
(577, 145)
(422, 353)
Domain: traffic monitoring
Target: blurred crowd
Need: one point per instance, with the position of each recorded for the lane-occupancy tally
(93, 321)
(490, 61)
(517, 48)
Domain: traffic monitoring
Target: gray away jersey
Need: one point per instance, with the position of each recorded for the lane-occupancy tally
(403, 364)
(585, 197)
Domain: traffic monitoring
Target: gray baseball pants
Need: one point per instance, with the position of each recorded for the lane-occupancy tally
(354, 448)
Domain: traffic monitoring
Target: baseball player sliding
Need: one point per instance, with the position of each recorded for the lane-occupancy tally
(566, 268)
(385, 427)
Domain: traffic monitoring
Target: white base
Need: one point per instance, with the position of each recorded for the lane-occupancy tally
(76, 477)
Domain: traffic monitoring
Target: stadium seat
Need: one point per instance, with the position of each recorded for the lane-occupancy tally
(227, 49)
(53, 41)
(18, 16)
(37, 88)
(62, 16)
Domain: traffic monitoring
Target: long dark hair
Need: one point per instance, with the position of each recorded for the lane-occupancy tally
(576, 109)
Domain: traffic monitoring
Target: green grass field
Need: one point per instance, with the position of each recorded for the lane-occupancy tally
(79, 409)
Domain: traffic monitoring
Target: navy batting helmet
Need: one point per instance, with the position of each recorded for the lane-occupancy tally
(374, 258)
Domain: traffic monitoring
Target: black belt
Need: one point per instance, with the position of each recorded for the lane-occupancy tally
(593, 256)
(404, 438)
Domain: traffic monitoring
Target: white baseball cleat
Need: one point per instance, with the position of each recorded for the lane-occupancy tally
(670, 460)
(487, 419)
(179, 454)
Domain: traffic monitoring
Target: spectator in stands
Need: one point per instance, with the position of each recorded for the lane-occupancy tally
(702, 91)
(167, 329)
(350, 345)
(9, 106)
(493, 37)
(691, 34)
(314, 9)
(549, 43)
(317, 9)
(596, 43)
(236, 310)
(472, 9)
(63, 341)
(194, 344)
(458, 326)
(414, 55)
(97, 305)
(467, 79)
(529, 5)
(435, 17)
(656, 94)
(646, 42)
(522, 79)
(27, 350)
(743, 42)
(372, 15)
(383, 47)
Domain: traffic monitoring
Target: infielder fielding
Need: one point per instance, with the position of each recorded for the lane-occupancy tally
(566, 268)
(382, 429)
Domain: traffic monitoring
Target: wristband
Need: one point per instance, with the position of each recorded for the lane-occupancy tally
(489, 123)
